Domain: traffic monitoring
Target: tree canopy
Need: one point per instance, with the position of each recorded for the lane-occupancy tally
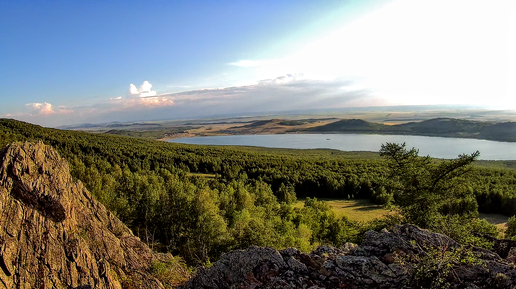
(424, 188)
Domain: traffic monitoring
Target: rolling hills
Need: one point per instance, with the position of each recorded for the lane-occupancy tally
(442, 127)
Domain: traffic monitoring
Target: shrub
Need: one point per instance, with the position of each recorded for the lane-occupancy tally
(172, 272)
(511, 228)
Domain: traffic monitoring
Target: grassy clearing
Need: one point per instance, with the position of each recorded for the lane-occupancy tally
(365, 210)
(209, 176)
(498, 220)
(356, 210)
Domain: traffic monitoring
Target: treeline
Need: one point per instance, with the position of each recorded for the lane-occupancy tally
(199, 201)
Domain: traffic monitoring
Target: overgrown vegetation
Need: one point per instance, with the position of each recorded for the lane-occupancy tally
(436, 268)
(158, 189)
(171, 273)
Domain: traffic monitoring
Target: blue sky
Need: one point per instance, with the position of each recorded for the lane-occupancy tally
(67, 62)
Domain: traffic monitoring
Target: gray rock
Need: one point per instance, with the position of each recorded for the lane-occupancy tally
(365, 269)
(384, 260)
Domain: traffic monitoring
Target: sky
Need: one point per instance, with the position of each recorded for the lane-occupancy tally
(72, 62)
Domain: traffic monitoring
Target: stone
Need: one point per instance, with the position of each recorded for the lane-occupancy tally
(384, 260)
(54, 234)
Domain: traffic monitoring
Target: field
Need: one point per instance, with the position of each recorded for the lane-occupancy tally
(365, 210)
(356, 210)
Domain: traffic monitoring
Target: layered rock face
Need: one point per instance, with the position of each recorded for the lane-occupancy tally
(408, 257)
(54, 234)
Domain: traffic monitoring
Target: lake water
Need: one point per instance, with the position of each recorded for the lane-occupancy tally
(437, 147)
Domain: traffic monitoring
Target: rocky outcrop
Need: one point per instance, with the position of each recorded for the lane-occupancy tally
(54, 234)
(407, 257)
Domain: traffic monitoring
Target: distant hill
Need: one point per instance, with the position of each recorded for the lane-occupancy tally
(259, 123)
(350, 125)
(500, 131)
(276, 121)
(443, 127)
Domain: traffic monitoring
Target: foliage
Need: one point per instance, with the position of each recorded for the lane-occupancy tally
(172, 272)
(424, 188)
(511, 228)
(465, 230)
(160, 190)
(435, 267)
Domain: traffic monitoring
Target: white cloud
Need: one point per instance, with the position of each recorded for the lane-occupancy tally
(133, 89)
(146, 86)
(144, 91)
(45, 109)
(139, 103)
(41, 108)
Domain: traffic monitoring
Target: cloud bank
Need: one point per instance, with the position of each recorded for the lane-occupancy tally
(287, 92)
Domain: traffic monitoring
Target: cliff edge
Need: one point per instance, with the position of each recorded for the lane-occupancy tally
(54, 234)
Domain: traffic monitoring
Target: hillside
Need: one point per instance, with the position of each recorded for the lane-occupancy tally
(350, 125)
(442, 127)
(54, 234)
(501, 131)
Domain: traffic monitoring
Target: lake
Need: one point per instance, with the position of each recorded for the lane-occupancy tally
(438, 147)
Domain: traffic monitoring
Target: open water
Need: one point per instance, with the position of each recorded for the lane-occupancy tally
(438, 147)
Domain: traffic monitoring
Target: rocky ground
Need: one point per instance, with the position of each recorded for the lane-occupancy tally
(407, 257)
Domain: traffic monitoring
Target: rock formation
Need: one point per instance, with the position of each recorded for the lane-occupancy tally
(54, 234)
(407, 257)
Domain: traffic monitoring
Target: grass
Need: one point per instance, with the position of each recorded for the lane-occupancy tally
(356, 210)
(365, 210)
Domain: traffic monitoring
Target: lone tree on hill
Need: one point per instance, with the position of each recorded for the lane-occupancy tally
(425, 188)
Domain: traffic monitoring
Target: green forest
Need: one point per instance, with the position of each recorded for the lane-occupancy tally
(200, 201)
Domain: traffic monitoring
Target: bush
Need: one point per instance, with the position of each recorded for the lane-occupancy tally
(435, 268)
(467, 231)
(511, 228)
(172, 272)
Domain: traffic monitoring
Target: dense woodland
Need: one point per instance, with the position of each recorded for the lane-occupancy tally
(200, 201)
